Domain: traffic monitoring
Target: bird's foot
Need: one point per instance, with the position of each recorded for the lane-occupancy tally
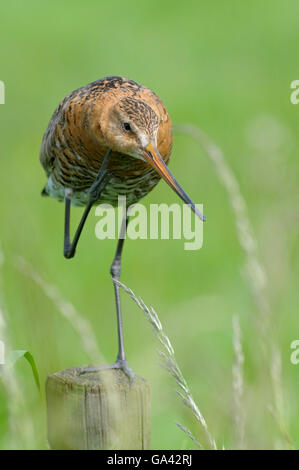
(119, 364)
(69, 251)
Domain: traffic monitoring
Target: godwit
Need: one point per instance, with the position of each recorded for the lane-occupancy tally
(112, 137)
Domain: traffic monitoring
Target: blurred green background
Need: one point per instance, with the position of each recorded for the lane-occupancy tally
(225, 67)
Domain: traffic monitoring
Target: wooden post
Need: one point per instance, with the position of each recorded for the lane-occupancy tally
(98, 410)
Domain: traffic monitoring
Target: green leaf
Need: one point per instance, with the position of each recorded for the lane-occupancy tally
(18, 354)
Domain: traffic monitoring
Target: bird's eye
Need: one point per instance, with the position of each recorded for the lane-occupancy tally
(127, 127)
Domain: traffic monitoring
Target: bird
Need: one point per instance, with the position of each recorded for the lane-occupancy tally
(110, 138)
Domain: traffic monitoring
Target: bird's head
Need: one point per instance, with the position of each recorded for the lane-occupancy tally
(131, 127)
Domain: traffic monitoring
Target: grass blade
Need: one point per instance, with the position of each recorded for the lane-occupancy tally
(16, 355)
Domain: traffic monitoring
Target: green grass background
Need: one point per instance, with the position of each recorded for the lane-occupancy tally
(225, 67)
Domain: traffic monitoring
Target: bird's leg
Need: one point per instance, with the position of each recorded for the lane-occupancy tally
(94, 194)
(115, 271)
(121, 361)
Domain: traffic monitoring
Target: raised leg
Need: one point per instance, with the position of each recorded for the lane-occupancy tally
(94, 194)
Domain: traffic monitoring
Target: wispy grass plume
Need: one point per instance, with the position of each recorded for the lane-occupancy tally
(255, 269)
(278, 408)
(237, 372)
(67, 310)
(169, 363)
(21, 435)
(189, 434)
(247, 240)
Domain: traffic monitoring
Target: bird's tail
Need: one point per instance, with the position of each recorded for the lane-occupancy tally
(44, 192)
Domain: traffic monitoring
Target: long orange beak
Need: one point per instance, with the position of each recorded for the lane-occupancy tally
(156, 161)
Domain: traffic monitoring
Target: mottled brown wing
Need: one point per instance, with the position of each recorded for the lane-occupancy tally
(47, 153)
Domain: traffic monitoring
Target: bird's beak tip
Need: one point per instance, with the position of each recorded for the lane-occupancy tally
(153, 157)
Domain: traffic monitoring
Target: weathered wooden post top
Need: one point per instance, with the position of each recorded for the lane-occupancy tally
(97, 410)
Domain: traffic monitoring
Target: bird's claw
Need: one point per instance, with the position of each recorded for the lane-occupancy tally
(119, 364)
(124, 366)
